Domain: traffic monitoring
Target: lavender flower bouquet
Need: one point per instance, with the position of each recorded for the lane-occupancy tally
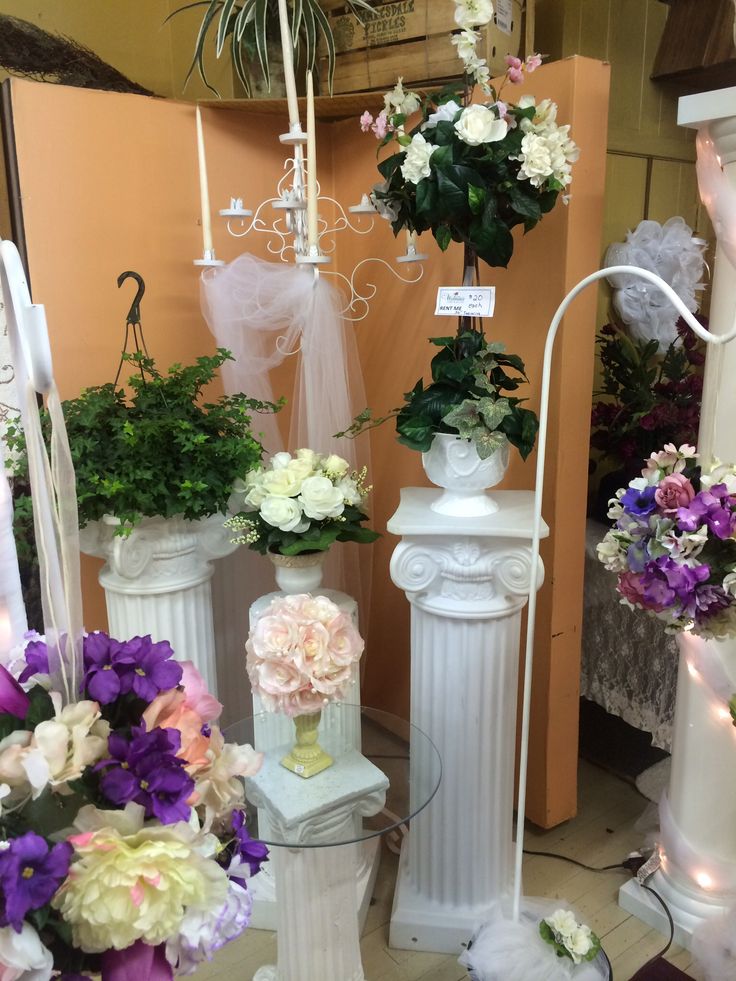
(672, 544)
(124, 846)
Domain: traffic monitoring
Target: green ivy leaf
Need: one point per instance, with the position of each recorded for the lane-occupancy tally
(486, 443)
(466, 418)
(493, 411)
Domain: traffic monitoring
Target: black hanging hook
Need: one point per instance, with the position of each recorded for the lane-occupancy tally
(134, 314)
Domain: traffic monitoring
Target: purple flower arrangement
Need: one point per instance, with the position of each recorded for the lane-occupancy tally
(672, 544)
(124, 845)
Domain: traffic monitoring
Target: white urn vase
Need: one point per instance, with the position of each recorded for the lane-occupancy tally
(157, 581)
(454, 464)
(296, 574)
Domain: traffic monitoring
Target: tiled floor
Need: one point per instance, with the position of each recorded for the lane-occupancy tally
(602, 833)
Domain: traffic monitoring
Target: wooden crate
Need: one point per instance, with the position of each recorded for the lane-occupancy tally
(697, 49)
(410, 38)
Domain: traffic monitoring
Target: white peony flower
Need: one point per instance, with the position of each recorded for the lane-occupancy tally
(320, 499)
(283, 513)
(416, 163)
(466, 42)
(399, 101)
(22, 955)
(444, 113)
(579, 943)
(562, 922)
(72, 741)
(478, 125)
(473, 13)
(536, 160)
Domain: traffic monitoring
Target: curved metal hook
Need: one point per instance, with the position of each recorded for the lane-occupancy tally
(134, 314)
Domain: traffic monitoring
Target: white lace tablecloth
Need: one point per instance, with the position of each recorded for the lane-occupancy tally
(629, 664)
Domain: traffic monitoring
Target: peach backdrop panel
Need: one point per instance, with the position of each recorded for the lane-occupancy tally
(122, 192)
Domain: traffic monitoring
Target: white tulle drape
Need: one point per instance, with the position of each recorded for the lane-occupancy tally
(672, 252)
(10, 587)
(265, 313)
(717, 193)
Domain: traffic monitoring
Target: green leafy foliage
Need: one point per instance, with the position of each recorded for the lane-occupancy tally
(647, 397)
(469, 376)
(161, 450)
(246, 28)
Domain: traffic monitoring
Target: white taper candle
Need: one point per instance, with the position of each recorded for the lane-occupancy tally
(312, 194)
(287, 48)
(204, 193)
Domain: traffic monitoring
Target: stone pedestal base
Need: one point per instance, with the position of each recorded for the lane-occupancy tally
(688, 913)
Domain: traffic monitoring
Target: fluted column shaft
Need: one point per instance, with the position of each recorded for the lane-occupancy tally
(467, 581)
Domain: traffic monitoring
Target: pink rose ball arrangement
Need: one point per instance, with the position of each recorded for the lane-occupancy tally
(301, 654)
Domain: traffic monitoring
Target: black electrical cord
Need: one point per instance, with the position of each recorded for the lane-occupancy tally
(631, 865)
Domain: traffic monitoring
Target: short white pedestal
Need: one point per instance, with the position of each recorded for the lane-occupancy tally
(342, 730)
(318, 935)
(467, 581)
(157, 582)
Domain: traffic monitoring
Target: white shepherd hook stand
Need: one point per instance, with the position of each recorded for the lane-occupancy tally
(435, 887)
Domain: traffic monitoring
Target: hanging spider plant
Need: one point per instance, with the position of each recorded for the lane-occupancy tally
(247, 26)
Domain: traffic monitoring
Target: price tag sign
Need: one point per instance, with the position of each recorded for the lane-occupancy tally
(505, 16)
(465, 301)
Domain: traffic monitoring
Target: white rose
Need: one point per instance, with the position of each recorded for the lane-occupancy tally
(309, 457)
(579, 943)
(75, 739)
(280, 460)
(283, 513)
(334, 464)
(562, 922)
(416, 163)
(281, 483)
(255, 494)
(349, 490)
(473, 13)
(300, 469)
(320, 499)
(478, 125)
(22, 955)
(444, 114)
(536, 161)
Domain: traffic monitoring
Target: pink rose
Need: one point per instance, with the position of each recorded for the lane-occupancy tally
(366, 121)
(630, 587)
(312, 654)
(674, 491)
(198, 697)
(333, 682)
(305, 702)
(279, 677)
(346, 644)
(274, 636)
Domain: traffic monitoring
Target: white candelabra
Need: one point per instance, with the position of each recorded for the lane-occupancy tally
(291, 219)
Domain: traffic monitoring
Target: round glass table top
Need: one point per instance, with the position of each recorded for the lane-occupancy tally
(384, 771)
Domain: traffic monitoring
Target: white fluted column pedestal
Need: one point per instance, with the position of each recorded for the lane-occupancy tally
(318, 935)
(467, 581)
(157, 582)
(698, 816)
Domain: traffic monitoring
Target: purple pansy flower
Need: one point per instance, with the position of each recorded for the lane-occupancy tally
(146, 769)
(639, 501)
(36, 656)
(711, 508)
(106, 663)
(153, 669)
(30, 874)
(250, 851)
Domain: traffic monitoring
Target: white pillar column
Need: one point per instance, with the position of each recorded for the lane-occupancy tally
(467, 581)
(157, 582)
(698, 875)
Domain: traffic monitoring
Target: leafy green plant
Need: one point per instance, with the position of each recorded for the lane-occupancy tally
(247, 27)
(466, 396)
(160, 451)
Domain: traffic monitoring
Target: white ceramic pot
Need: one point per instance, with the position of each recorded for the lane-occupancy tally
(453, 463)
(296, 574)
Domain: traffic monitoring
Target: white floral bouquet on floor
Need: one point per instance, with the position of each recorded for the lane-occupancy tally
(301, 503)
